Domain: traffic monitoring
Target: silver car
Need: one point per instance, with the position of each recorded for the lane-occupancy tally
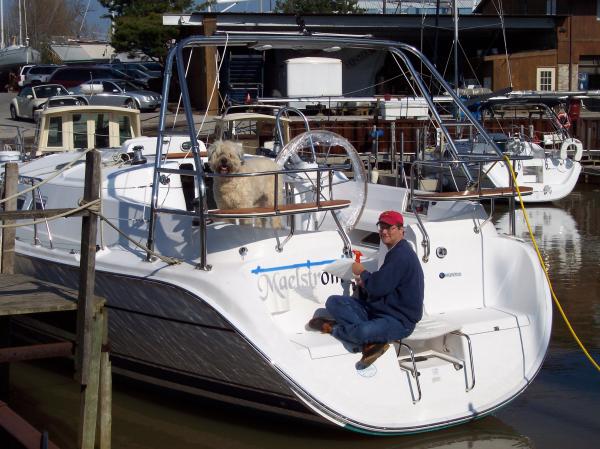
(40, 74)
(114, 92)
(31, 98)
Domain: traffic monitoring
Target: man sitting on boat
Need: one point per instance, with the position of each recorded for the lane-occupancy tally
(390, 300)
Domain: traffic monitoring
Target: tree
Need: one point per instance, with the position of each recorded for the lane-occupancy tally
(318, 6)
(44, 20)
(138, 24)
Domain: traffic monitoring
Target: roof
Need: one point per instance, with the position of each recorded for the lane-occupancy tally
(88, 109)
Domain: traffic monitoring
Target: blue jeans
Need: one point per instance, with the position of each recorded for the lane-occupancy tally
(356, 325)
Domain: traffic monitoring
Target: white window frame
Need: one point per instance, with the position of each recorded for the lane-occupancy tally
(538, 78)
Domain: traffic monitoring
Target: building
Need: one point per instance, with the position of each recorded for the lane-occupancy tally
(569, 60)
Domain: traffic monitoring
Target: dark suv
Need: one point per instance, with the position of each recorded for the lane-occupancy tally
(75, 75)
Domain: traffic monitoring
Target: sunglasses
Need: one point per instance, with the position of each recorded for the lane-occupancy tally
(386, 227)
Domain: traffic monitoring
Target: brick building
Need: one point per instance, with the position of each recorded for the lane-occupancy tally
(570, 59)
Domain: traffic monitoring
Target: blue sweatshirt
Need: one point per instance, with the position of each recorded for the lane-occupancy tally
(397, 288)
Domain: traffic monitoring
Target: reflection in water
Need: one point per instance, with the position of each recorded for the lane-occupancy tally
(555, 231)
(559, 410)
(148, 418)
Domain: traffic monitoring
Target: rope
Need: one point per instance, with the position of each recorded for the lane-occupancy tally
(167, 260)
(540, 258)
(51, 177)
(93, 206)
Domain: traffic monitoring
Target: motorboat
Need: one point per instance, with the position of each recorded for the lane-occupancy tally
(211, 302)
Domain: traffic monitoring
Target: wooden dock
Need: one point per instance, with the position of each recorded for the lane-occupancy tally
(24, 295)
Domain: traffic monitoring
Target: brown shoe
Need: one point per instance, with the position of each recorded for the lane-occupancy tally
(324, 325)
(371, 352)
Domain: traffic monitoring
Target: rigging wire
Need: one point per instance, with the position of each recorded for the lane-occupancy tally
(500, 11)
(82, 19)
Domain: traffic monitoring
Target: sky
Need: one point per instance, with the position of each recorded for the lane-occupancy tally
(95, 14)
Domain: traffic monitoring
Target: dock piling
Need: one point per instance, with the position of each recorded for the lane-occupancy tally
(20, 295)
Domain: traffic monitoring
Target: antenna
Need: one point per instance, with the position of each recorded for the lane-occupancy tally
(83, 18)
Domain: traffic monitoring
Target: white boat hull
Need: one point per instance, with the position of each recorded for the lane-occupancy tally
(237, 332)
(551, 178)
(18, 55)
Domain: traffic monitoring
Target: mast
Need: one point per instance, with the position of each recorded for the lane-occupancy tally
(20, 26)
(436, 35)
(456, 45)
(2, 24)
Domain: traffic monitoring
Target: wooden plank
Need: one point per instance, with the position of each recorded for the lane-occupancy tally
(38, 213)
(21, 430)
(11, 176)
(500, 192)
(87, 267)
(20, 294)
(36, 352)
(105, 405)
(4, 367)
(285, 209)
(88, 409)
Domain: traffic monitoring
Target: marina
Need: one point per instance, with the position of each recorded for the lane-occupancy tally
(320, 238)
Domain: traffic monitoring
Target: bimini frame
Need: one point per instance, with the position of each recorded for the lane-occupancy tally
(175, 58)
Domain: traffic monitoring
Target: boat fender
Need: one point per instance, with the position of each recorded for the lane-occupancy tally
(567, 144)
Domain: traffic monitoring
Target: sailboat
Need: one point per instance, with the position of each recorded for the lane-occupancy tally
(17, 54)
(227, 318)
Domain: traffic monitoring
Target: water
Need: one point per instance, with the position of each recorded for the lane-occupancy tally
(561, 409)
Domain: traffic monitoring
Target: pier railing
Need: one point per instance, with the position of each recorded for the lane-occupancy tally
(91, 356)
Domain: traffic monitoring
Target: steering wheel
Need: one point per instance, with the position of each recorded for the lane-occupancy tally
(321, 149)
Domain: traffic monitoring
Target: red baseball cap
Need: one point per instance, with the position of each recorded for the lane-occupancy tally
(391, 217)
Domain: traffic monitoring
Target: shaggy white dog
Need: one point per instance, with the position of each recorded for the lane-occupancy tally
(225, 157)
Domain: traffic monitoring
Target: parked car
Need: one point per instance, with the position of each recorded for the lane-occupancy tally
(40, 74)
(134, 68)
(22, 72)
(32, 98)
(115, 92)
(59, 101)
(152, 65)
(137, 76)
(72, 76)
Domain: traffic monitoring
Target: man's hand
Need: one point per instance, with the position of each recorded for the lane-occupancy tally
(357, 268)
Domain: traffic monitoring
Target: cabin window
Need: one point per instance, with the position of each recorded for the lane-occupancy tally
(551, 7)
(55, 135)
(102, 136)
(80, 134)
(545, 78)
(21, 202)
(124, 129)
(597, 9)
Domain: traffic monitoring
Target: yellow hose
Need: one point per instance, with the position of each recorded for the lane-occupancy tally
(537, 250)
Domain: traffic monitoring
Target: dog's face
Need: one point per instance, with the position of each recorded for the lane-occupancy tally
(225, 156)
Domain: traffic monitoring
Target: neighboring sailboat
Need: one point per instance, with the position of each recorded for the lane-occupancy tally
(16, 55)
